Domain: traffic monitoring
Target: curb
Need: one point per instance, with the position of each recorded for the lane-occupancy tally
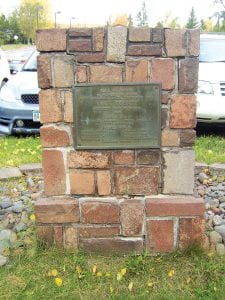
(16, 172)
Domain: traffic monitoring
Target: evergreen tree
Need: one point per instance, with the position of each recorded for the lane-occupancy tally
(142, 16)
(192, 21)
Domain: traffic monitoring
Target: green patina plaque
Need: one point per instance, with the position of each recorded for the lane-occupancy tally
(117, 116)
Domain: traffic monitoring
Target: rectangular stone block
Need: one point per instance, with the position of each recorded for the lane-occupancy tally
(106, 74)
(63, 71)
(193, 36)
(91, 57)
(157, 35)
(178, 177)
(148, 157)
(50, 106)
(139, 34)
(79, 32)
(57, 210)
(54, 172)
(159, 236)
(109, 246)
(170, 138)
(81, 74)
(183, 111)
(79, 45)
(145, 50)
(188, 75)
(116, 43)
(88, 159)
(52, 136)
(164, 70)
(45, 234)
(136, 180)
(176, 42)
(104, 183)
(82, 182)
(164, 206)
(93, 232)
(58, 236)
(187, 137)
(44, 71)
(132, 217)
(51, 40)
(124, 157)
(68, 106)
(191, 231)
(100, 211)
(71, 238)
(98, 39)
(137, 71)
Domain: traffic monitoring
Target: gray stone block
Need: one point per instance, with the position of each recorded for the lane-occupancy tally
(7, 173)
(116, 47)
(179, 172)
(34, 168)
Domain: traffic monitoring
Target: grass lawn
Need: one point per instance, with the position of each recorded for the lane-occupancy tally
(60, 274)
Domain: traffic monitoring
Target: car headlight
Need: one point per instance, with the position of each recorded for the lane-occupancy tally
(7, 94)
(205, 87)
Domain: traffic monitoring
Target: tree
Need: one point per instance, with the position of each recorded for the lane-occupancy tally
(192, 20)
(168, 21)
(130, 21)
(142, 16)
(121, 20)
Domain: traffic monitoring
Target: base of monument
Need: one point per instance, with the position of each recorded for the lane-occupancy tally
(112, 225)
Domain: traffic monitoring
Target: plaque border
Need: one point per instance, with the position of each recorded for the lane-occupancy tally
(75, 113)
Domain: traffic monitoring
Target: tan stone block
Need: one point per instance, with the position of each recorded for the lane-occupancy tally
(188, 75)
(71, 238)
(101, 211)
(50, 106)
(123, 157)
(88, 160)
(63, 71)
(163, 70)
(45, 234)
(51, 40)
(93, 232)
(139, 34)
(170, 138)
(81, 74)
(53, 172)
(106, 74)
(136, 180)
(148, 157)
(68, 107)
(159, 236)
(57, 210)
(54, 136)
(132, 217)
(137, 71)
(116, 43)
(44, 71)
(82, 182)
(145, 50)
(183, 111)
(104, 183)
(98, 39)
(193, 42)
(91, 57)
(175, 42)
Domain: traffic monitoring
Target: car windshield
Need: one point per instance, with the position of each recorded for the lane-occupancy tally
(212, 50)
(31, 64)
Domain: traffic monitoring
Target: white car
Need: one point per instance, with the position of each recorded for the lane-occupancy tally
(211, 84)
(4, 68)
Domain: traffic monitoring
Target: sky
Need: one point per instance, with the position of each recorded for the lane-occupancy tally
(98, 11)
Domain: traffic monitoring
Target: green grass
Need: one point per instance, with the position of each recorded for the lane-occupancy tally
(210, 149)
(13, 46)
(194, 276)
(17, 151)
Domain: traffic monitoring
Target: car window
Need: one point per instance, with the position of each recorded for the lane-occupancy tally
(212, 50)
(31, 64)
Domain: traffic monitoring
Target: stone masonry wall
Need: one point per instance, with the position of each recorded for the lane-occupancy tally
(108, 212)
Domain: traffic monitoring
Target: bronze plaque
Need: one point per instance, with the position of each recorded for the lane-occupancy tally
(117, 116)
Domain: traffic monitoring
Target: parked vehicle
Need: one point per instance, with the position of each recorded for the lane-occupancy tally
(19, 103)
(18, 59)
(4, 69)
(211, 84)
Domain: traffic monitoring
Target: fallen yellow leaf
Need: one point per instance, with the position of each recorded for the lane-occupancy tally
(119, 276)
(94, 269)
(58, 281)
(171, 273)
(130, 286)
(123, 271)
(54, 272)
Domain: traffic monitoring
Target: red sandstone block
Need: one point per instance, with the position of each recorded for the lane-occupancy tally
(51, 40)
(174, 206)
(104, 183)
(98, 39)
(50, 106)
(91, 57)
(53, 172)
(188, 75)
(106, 73)
(170, 138)
(82, 182)
(191, 231)
(45, 234)
(165, 98)
(79, 32)
(109, 246)
(93, 232)
(183, 111)
(57, 210)
(132, 217)
(79, 45)
(139, 34)
(44, 71)
(88, 159)
(124, 157)
(100, 212)
(159, 236)
(81, 74)
(54, 136)
(58, 235)
(68, 106)
(71, 238)
(136, 180)
(175, 42)
(145, 50)
(163, 70)
(137, 71)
